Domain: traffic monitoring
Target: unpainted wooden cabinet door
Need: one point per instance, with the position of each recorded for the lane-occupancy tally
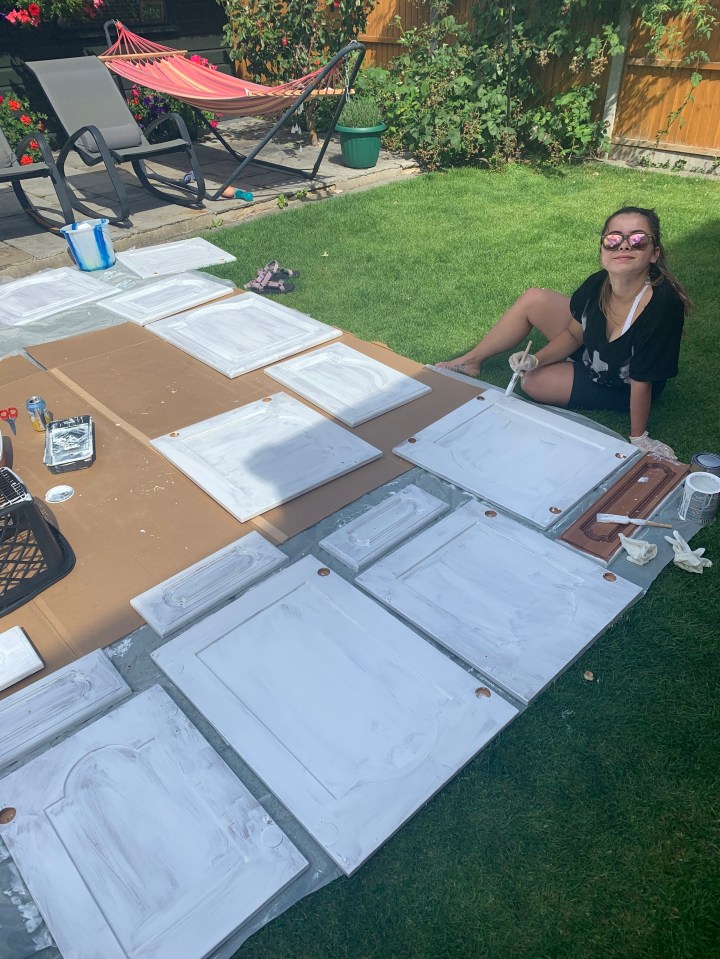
(526, 459)
(351, 718)
(137, 841)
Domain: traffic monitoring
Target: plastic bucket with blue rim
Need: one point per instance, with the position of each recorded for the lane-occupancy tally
(90, 244)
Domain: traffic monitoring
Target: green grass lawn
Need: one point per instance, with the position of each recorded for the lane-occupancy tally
(589, 828)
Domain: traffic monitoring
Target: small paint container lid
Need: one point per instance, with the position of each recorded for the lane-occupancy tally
(705, 463)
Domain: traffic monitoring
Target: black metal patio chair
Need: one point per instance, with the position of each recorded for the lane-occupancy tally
(14, 172)
(101, 129)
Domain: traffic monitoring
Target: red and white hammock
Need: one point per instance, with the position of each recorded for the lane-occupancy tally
(168, 71)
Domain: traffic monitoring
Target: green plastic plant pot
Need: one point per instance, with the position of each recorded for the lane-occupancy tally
(360, 146)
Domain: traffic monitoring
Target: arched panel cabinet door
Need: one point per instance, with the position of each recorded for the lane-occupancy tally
(136, 840)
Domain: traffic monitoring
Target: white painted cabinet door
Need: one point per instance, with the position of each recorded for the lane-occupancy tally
(243, 333)
(352, 719)
(188, 595)
(18, 658)
(264, 454)
(352, 387)
(527, 460)
(137, 841)
(510, 602)
(380, 528)
(46, 293)
(175, 257)
(52, 705)
(153, 301)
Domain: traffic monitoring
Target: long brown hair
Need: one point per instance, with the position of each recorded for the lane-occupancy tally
(659, 271)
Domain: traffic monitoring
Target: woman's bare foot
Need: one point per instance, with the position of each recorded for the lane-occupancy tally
(461, 365)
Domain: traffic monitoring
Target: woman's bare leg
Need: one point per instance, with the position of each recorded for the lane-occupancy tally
(544, 310)
(550, 384)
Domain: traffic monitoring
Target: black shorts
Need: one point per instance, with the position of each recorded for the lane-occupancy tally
(586, 394)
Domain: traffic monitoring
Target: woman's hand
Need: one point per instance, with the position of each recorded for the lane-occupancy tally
(519, 363)
(648, 445)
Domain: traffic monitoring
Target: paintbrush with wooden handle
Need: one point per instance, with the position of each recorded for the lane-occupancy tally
(617, 518)
(518, 372)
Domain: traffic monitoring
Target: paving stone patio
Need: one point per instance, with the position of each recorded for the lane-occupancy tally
(26, 248)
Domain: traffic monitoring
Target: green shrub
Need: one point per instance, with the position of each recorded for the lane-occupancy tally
(361, 112)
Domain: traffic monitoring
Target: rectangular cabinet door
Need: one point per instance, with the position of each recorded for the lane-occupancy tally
(264, 454)
(525, 459)
(351, 718)
(504, 598)
(242, 333)
(347, 384)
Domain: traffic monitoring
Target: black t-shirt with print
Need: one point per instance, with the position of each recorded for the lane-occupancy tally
(647, 352)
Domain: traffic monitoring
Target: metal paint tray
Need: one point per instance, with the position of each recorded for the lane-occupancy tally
(69, 444)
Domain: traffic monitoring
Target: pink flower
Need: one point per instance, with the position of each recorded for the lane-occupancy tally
(213, 123)
(2, 99)
(12, 17)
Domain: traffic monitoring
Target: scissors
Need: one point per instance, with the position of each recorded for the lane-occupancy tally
(10, 414)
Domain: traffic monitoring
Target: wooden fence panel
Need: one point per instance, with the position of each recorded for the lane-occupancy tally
(382, 33)
(653, 89)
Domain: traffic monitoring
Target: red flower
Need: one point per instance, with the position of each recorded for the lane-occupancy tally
(33, 10)
(23, 16)
(26, 158)
(213, 123)
(14, 105)
(26, 119)
(138, 116)
(34, 145)
(2, 99)
(284, 41)
(336, 4)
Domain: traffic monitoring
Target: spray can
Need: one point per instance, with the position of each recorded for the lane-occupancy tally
(37, 410)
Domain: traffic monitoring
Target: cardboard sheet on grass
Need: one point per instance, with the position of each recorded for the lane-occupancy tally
(134, 520)
(154, 388)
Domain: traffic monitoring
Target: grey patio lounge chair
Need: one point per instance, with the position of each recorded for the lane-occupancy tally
(14, 172)
(101, 129)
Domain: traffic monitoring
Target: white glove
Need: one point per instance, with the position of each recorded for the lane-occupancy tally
(648, 445)
(517, 363)
(639, 551)
(691, 560)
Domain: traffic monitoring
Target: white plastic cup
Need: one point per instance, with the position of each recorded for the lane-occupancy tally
(701, 494)
(90, 244)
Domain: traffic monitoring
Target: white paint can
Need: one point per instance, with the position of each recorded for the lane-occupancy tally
(700, 498)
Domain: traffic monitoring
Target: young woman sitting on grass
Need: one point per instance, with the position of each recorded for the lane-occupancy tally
(614, 343)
